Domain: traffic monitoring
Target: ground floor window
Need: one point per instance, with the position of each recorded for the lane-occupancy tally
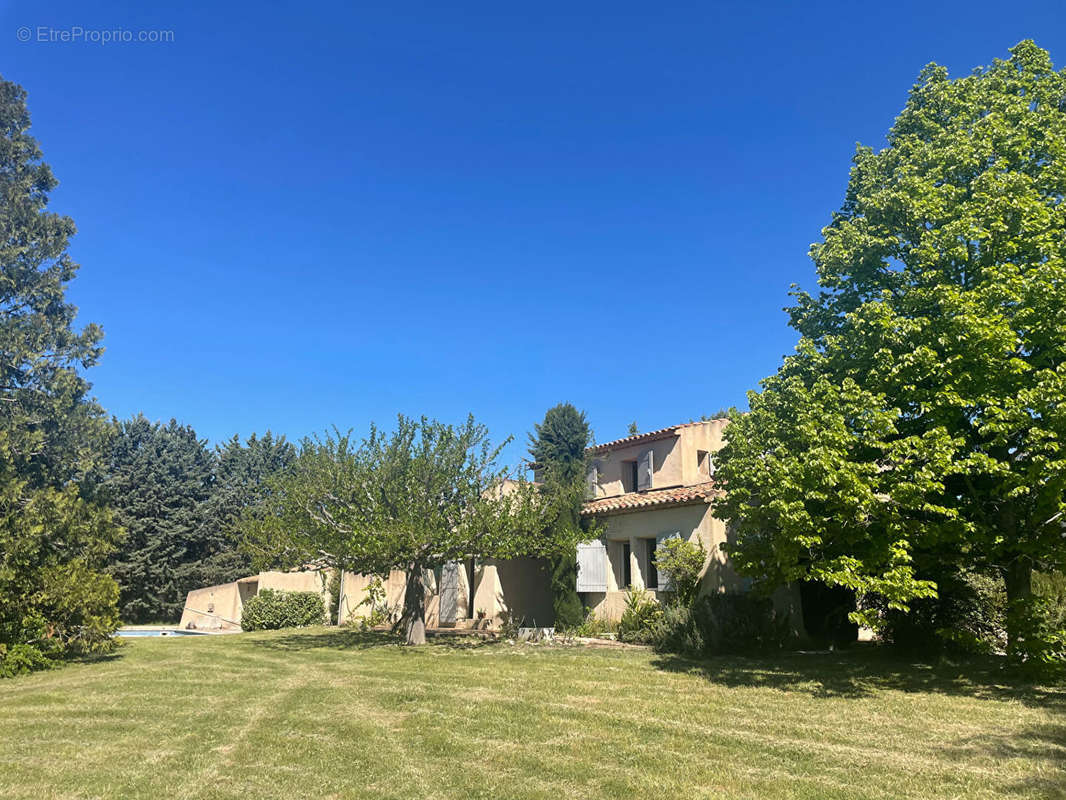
(653, 574)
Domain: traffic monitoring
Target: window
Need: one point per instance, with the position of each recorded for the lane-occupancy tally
(627, 567)
(703, 464)
(653, 574)
(629, 476)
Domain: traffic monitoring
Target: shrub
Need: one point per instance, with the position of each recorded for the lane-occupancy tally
(1041, 648)
(592, 626)
(641, 620)
(678, 633)
(18, 659)
(270, 610)
(378, 611)
(682, 561)
(333, 589)
(1050, 587)
(736, 623)
(967, 616)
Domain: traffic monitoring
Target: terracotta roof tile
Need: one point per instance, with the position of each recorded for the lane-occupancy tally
(642, 437)
(636, 501)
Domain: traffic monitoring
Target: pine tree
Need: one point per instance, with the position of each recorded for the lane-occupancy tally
(158, 483)
(241, 478)
(54, 599)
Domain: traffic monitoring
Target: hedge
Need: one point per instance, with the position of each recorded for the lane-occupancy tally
(270, 610)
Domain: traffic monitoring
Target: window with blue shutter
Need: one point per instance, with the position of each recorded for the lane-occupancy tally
(645, 470)
(592, 567)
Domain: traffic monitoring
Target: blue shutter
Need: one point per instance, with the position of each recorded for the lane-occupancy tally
(592, 567)
(645, 470)
(593, 479)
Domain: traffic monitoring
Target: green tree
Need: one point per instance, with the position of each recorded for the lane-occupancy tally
(158, 483)
(557, 446)
(241, 474)
(923, 413)
(413, 499)
(54, 539)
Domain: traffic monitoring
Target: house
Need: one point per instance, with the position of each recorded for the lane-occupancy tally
(219, 608)
(481, 593)
(644, 489)
(471, 593)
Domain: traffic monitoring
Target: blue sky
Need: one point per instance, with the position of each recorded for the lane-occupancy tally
(299, 215)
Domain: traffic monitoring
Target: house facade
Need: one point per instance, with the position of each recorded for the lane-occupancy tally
(463, 594)
(644, 489)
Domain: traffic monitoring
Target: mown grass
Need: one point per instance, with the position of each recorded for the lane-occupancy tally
(323, 713)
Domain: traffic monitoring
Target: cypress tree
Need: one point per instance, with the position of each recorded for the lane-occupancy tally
(558, 450)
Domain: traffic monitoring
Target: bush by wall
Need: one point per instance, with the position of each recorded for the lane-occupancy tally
(719, 624)
(967, 616)
(641, 620)
(270, 610)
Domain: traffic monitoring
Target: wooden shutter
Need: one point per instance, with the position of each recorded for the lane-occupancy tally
(448, 611)
(645, 468)
(592, 567)
(664, 579)
(593, 479)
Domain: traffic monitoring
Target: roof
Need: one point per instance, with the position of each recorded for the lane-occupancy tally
(656, 498)
(638, 438)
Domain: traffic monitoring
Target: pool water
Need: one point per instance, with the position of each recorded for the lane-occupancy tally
(150, 632)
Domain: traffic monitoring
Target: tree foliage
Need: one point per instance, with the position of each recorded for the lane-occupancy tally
(158, 482)
(682, 561)
(412, 499)
(54, 539)
(924, 412)
(558, 448)
(180, 503)
(241, 472)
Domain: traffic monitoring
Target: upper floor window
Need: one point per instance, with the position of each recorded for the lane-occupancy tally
(630, 476)
(705, 466)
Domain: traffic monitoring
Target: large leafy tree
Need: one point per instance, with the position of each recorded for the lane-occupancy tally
(158, 482)
(924, 412)
(412, 499)
(557, 446)
(53, 539)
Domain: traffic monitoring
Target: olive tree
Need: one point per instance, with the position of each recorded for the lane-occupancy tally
(412, 499)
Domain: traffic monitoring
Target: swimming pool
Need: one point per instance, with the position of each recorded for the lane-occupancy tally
(127, 632)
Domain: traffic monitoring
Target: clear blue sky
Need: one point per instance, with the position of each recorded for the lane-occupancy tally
(306, 214)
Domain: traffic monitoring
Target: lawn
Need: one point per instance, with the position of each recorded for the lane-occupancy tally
(323, 713)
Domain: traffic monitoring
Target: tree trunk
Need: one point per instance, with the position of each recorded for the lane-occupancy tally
(414, 605)
(1018, 582)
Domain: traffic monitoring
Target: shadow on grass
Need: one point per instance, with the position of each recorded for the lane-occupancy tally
(862, 670)
(343, 639)
(1040, 745)
(95, 658)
